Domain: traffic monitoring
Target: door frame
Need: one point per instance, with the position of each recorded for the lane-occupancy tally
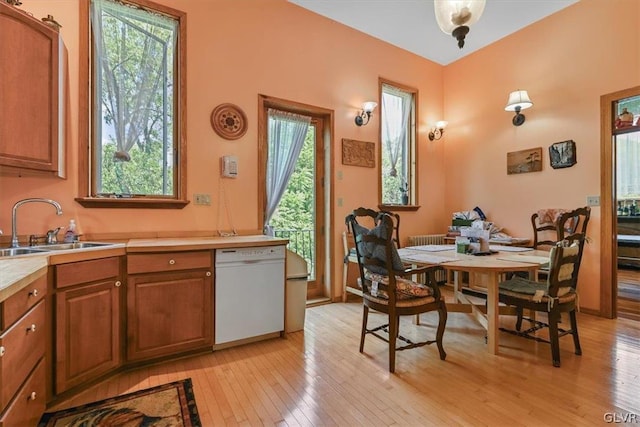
(264, 103)
(608, 221)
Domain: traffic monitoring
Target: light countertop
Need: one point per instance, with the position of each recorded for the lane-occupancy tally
(19, 271)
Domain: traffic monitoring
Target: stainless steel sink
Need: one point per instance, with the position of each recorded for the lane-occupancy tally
(8, 252)
(20, 251)
(74, 245)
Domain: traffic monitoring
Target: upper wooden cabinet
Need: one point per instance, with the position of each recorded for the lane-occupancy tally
(32, 75)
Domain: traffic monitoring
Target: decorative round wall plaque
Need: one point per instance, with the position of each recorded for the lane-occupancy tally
(229, 121)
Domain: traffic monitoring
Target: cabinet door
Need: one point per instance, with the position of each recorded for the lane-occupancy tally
(168, 313)
(30, 60)
(87, 332)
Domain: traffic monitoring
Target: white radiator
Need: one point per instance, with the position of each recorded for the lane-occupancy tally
(430, 239)
(427, 239)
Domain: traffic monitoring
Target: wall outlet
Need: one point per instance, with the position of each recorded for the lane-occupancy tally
(593, 200)
(202, 199)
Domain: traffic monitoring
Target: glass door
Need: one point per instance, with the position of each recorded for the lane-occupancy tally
(626, 140)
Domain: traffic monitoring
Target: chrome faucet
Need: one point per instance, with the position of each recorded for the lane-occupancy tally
(14, 234)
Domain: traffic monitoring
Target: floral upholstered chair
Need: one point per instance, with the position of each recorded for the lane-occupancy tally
(386, 287)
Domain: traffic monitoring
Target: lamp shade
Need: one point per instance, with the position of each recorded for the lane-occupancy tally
(369, 106)
(518, 100)
(451, 14)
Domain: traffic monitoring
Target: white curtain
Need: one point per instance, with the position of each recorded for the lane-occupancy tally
(396, 107)
(627, 169)
(286, 133)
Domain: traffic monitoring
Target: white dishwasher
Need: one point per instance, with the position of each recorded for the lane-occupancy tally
(249, 292)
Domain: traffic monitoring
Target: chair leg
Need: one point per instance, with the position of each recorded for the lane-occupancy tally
(393, 333)
(365, 316)
(519, 313)
(442, 322)
(574, 332)
(554, 318)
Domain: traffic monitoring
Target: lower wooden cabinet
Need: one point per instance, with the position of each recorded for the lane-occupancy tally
(88, 321)
(30, 403)
(169, 311)
(22, 349)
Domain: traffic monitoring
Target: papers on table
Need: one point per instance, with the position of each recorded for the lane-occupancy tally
(433, 248)
(502, 248)
(509, 240)
(421, 257)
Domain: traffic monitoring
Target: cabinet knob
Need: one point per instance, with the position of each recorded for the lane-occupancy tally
(172, 261)
(2, 350)
(32, 328)
(208, 274)
(33, 293)
(118, 283)
(32, 396)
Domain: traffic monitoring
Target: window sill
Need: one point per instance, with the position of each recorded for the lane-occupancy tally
(133, 203)
(399, 208)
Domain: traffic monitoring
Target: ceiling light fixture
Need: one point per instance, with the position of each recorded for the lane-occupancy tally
(518, 100)
(437, 131)
(365, 115)
(455, 16)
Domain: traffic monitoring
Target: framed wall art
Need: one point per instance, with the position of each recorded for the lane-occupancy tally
(524, 161)
(562, 154)
(358, 153)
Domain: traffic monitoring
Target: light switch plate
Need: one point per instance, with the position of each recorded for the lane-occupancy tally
(593, 200)
(202, 199)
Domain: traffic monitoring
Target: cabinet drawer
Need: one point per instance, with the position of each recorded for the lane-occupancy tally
(18, 304)
(21, 347)
(75, 273)
(29, 404)
(170, 261)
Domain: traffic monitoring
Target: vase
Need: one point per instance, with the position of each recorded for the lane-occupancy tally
(625, 118)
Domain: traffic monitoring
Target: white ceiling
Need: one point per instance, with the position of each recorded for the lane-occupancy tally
(411, 24)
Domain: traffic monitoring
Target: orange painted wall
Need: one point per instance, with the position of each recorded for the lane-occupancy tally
(565, 62)
(237, 50)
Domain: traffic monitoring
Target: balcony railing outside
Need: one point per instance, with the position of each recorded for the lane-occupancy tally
(301, 242)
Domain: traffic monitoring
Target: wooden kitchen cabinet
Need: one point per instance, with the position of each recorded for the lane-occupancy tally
(33, 70)
(169, 303)
(88, 333)
(22, 351)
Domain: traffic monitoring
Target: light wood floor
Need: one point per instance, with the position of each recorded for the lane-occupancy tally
(318, 377)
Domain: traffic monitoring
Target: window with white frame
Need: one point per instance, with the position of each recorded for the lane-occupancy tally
(135, 115)
(398, 143)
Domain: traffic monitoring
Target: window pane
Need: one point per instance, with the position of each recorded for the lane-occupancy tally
(628, 156)
(396, 117)
(134, 54)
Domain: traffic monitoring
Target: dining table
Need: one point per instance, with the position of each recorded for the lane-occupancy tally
(492, 266)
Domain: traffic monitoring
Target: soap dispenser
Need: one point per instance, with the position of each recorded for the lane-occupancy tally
(70, 235)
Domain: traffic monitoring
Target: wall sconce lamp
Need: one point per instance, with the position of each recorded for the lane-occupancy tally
(518, 100)
(367, 109)
(437, 131)
(455, 16)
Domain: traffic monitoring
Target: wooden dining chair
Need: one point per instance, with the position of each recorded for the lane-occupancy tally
(386, 287)
(558, 295)
(547, 233)
(396, 227)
